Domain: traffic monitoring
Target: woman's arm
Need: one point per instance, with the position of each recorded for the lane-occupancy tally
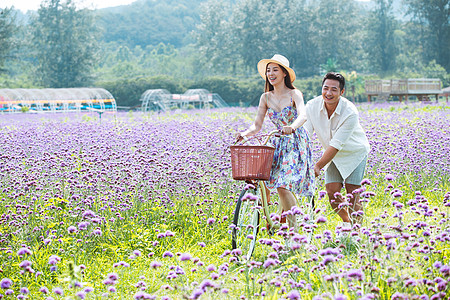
(301, 113)
(257, 125)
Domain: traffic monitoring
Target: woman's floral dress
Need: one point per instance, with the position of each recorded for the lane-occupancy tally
(292, 166)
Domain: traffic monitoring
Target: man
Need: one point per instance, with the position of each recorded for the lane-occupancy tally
(335, 121)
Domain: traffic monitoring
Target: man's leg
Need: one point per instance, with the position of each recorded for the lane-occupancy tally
(356, 205)
(333, 184)
(352, 183)
(333, 188)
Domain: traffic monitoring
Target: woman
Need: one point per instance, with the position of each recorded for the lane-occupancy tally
(292, 169)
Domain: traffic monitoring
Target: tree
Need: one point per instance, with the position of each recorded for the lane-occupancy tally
(337, 30)
(213, 36)
(252, 32)
(7, 29)
(434, 16)
(295, 36)
(64, 39)
(380, 42)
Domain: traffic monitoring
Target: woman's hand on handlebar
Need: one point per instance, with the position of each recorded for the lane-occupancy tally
(287, 130)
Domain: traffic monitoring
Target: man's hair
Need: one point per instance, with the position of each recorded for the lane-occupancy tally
(335, 76)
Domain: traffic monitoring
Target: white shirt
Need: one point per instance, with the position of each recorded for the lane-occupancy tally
(341, 131)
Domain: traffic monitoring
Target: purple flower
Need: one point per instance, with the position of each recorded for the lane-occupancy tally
(327, 259)
(58, 291)
(339, 296)
(211, 221)
(321, 219)
(5, 283)
(142, 295)
(23, 251)
(168, 254)
(137, 253)
(211, 268)
(389, 177)
(43, 290)
(397, 194)
(169, 233)
(196, 294)
(83, 225)
(410, 282)
(445, 269)
(53, 260)
(25, 264)
(206, 283)
(24, 290)
(113, 276)
(366, 181)
(155, 264)
(88, 214)
(293, 295)
(329, 251)
(185, 256)
(269, 262)
(356, 274)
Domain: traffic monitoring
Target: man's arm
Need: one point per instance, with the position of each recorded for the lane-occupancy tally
(327, 156)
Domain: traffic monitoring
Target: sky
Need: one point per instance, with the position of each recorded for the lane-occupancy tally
(25, 5)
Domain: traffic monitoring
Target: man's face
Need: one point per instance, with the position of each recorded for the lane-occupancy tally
(331, 92)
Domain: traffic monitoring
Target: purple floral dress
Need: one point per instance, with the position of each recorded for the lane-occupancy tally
(292, 166)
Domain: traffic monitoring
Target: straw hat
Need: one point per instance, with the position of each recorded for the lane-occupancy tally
(278, 59)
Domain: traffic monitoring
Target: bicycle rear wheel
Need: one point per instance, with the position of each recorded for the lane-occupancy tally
(246, 222)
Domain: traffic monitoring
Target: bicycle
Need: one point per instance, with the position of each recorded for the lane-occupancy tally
(254, 197)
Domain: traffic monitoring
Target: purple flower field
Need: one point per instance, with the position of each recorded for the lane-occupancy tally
(139, 206)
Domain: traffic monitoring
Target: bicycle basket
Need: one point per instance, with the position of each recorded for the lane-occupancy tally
(251, 162)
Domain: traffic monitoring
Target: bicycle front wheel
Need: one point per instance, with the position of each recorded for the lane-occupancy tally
(246, 222)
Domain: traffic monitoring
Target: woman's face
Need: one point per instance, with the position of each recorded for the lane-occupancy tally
(275, 74)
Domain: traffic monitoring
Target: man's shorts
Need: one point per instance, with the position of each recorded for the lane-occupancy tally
(332, 174)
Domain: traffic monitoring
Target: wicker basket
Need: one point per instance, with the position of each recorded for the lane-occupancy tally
(251, 162)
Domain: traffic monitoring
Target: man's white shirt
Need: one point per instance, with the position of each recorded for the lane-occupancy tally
(341, 131)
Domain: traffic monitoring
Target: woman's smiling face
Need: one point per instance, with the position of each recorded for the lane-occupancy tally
(275, 73)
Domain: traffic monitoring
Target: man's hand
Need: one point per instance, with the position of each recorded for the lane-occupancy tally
(238, 136)
(316, 170)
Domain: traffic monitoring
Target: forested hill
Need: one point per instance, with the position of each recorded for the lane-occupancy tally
(150, 22)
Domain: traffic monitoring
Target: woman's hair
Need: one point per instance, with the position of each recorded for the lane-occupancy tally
(287, 80)
(335, 76)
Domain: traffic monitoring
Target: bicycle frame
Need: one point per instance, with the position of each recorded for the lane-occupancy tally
(247, 215)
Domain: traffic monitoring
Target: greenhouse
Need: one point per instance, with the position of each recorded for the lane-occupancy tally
(160, 99)
(56, 100)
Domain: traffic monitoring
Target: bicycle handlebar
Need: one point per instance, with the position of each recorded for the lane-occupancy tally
(276, 133)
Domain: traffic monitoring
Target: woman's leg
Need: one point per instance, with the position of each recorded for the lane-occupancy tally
(288, 200)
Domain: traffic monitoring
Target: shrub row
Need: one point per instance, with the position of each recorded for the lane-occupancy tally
(235, 91)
